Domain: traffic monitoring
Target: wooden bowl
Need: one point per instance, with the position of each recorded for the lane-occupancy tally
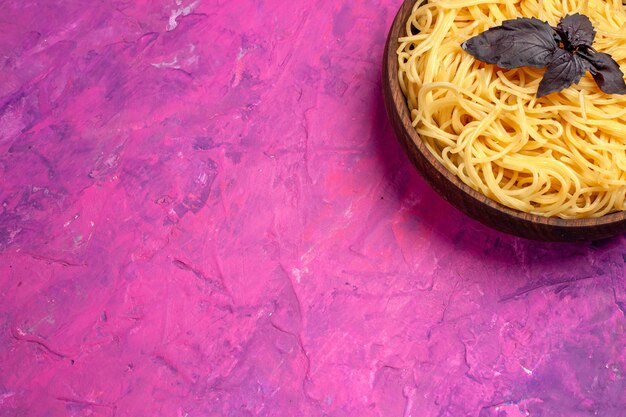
(460, 195)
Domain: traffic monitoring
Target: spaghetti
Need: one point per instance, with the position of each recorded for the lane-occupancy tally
(562, 155)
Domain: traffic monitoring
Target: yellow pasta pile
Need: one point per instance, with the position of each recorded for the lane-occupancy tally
(560, 155)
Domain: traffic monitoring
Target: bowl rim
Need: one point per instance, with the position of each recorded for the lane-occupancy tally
(401, 107)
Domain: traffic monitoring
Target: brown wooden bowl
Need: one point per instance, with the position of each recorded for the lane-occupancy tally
(460, 195)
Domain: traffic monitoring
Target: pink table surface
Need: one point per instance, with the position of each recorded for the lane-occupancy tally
(205, 213)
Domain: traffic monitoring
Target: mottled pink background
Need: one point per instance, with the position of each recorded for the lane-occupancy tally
(205, 213)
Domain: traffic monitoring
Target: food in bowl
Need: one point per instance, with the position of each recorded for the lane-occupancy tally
(556, 152)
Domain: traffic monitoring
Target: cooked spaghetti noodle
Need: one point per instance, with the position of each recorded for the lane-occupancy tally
(561, 155)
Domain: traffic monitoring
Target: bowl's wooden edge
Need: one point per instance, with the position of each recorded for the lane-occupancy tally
(463, 197)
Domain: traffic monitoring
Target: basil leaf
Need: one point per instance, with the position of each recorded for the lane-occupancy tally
(517, 43)
(607, 73)
(576, 30)
(564, 70)
(567, 52)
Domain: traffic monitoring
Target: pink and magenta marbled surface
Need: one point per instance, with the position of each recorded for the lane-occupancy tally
(205, 213)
